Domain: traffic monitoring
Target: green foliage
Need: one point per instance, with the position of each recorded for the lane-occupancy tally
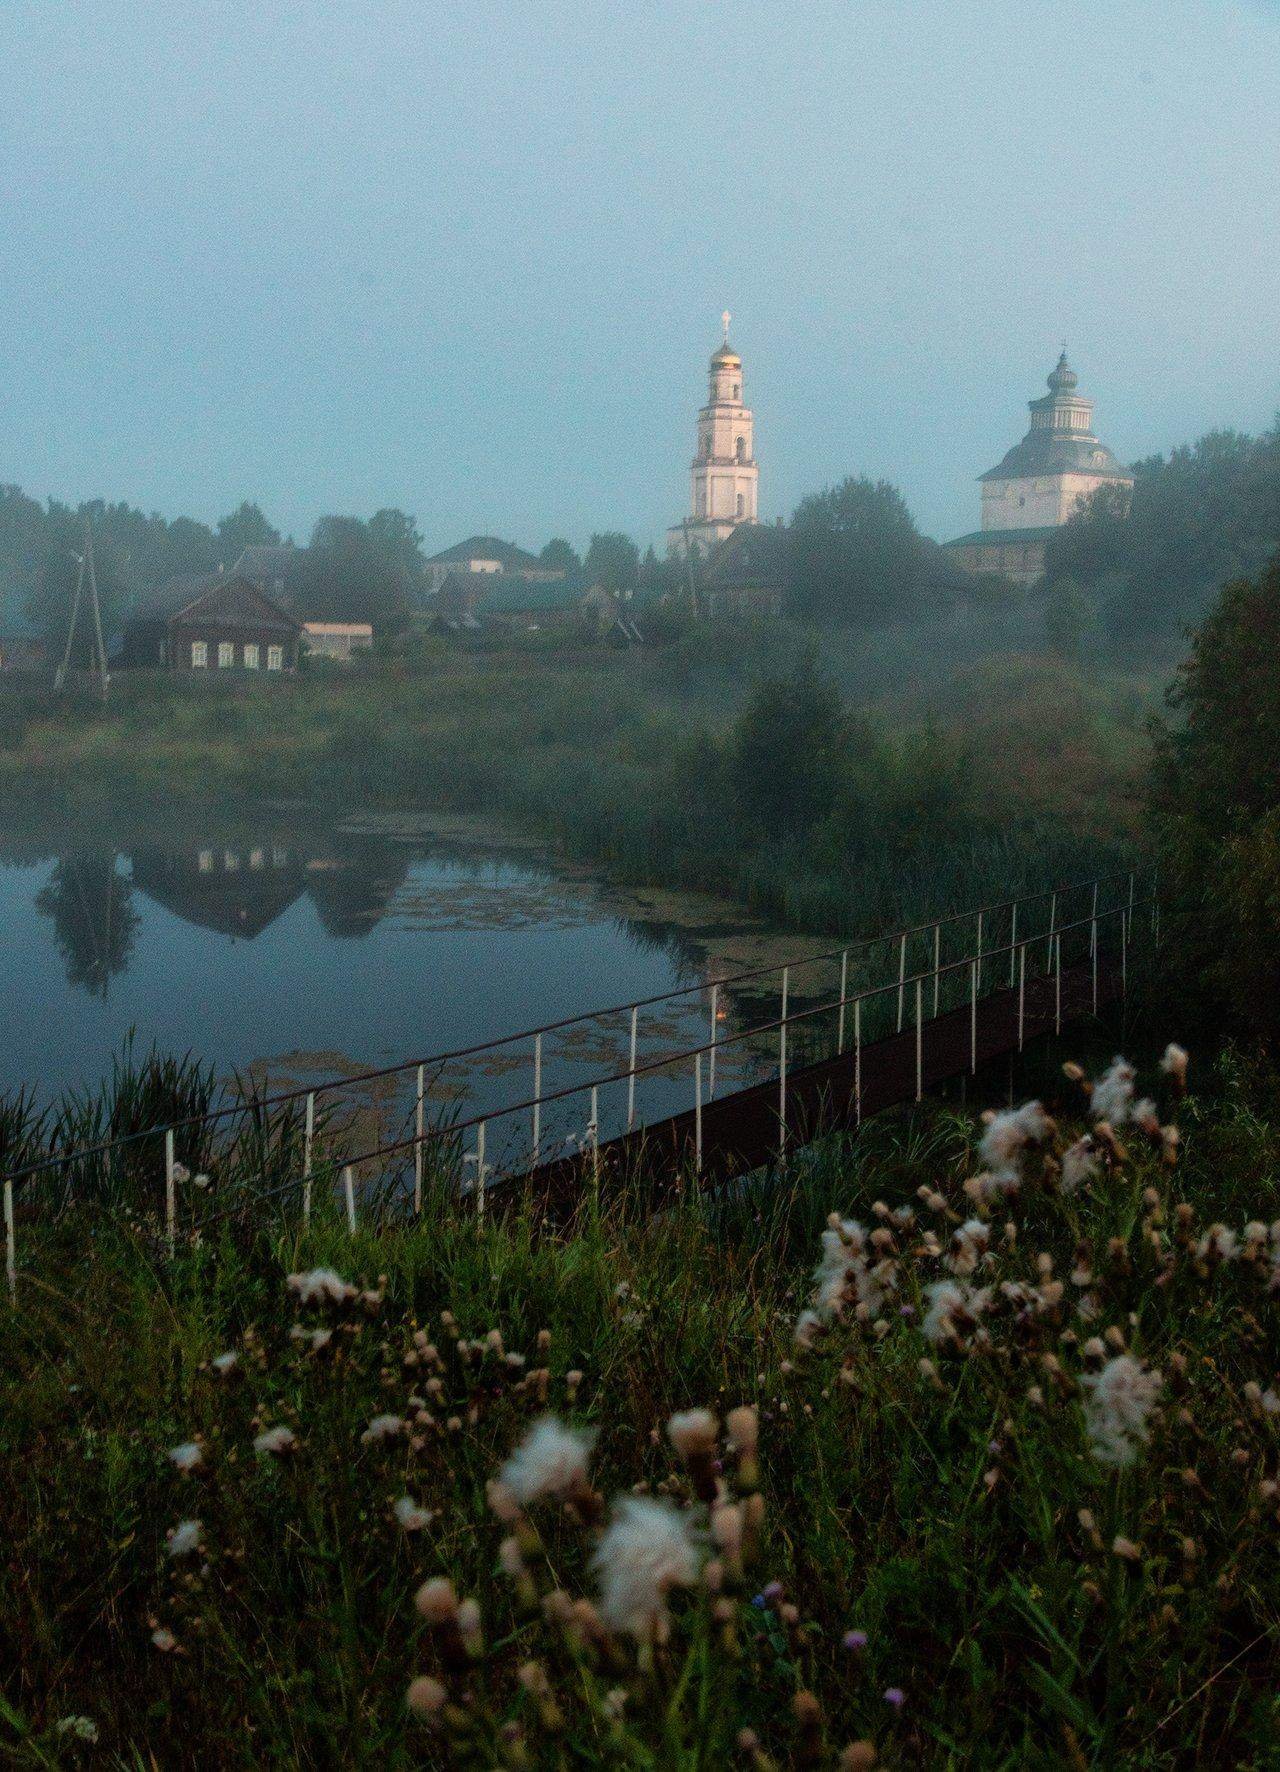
(1216, 801)
(355, 571)
(1070, 620)
(613, 561)
(1206, 515)
(558, 556)
(246, 527)
(858, 558)
(786, 750)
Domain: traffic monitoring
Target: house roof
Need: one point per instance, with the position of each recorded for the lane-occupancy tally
(513, 594)
(487, 547)
(223, 601)
(1044, 451)
(752, 554)
(998, 538)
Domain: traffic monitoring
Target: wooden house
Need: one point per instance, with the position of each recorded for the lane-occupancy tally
(212, 624)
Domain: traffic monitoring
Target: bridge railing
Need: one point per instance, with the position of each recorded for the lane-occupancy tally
(405, 1144)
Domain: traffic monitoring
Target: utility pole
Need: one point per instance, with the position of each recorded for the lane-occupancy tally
(86, 575)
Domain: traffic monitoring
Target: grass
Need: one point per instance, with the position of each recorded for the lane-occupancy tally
(936, 1509)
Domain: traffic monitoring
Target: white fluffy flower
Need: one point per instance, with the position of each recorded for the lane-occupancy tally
(1008, 1135)
(1118, 1402)
(1218, 1244)
(552, 1459)
(954, 1309)
(320, 1286)
(1112, 1098)
(82, 1728)
(1079, 1164)
(185, 1538)
(845, 1278)
(969, 1246)
(645, 1551)
(187, 1456)
(409, 1515)
(224, 1363)
(1174, 1063)
(382, 1427)
(276, 1440)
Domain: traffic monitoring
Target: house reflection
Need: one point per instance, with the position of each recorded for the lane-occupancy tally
(240, 887)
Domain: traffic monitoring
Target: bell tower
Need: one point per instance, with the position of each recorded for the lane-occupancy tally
(724, 473)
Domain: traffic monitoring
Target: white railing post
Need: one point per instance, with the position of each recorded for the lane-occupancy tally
(10, 1242)
(1124, 954)
(594, 1132)
(170, 1195)
(537, 1100)
(711, 1056)
(631, 1075)
(844, 991)
(1093, 948)
(919, 1037)
(1057, 986)
(419, 1118)
(1022, 992)
(857, 1057)
(480, 1167)
(782, 1062)
(1053, 924)
(973, 1018)
(697, 1112)
(1013, 940)
(308, 1143)
(902, 974)
(349, 1192)
(937, 965)
(978, 954)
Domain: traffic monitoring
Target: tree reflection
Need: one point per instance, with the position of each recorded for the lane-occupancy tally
(94, 921)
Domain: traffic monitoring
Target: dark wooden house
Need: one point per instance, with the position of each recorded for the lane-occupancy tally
(748, 572)
(212, 624)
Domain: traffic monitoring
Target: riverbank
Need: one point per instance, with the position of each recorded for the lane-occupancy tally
(1016, 771)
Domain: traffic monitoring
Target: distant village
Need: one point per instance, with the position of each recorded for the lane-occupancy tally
(255, 614)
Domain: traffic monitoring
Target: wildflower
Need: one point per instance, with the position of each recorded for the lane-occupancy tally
(409, 1516)
(276, 1440)
(1008, 1135)
(382, 1427)
(1079, 1164)
(187, 1456)
(426, 1697)
(1112, 1098)
(83, 1728)
(969, 1246)
(742, 1429)
(855, 1641)
(845, 1275)
(859, 1756)
(895, 1696)
(1118, 1402)
(1218, 1244)
(320, 1286)
(954, 1309)
(646, 1550)
(551, 1460)
(164, 1640)
(693, 1435)
(808, 1328)
(224, 1363)
(1174, 1065)
(1126, 1549)
(185, 1538)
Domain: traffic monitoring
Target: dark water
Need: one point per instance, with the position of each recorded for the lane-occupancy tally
(304, 953)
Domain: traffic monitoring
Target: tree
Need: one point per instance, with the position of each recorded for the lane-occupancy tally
(558, 556)
(1070, 620)
(344, 575)
(786, 749)
(857, 556)
(246, 527)
(1216, 802)
(613, 560)
(395, 536)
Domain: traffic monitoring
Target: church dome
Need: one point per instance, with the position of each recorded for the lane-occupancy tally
(1064, 377)
(726, 354)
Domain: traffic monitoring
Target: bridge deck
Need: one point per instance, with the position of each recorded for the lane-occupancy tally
(740, 1132)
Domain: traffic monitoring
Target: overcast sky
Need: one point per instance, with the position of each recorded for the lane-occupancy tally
(468, 258)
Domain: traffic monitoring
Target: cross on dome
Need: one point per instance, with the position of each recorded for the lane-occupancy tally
(724, 321)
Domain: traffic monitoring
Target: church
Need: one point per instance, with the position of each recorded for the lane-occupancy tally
(724, 472)
(1039, 484)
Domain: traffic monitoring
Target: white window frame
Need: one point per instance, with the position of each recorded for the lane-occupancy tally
(226, 655)
(275, 658)
(252, 653)
(199, 655)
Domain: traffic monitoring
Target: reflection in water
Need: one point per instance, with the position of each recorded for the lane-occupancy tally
(94, 922)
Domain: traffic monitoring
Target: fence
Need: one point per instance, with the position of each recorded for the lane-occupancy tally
(1045, 951)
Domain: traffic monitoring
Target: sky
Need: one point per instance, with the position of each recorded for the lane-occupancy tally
(468, 257)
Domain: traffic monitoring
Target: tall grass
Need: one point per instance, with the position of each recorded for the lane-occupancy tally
(935, 1510)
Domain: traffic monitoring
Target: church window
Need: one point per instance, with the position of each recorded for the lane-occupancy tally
(741, 448)
(737, 389)
(740, 504)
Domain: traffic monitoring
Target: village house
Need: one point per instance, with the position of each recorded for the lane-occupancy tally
(339, 641)
(210, 624)
(748, 573)
(484, 554)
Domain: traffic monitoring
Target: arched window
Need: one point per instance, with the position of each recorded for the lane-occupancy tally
(740, 504)
(737, 390)
(742, 449)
